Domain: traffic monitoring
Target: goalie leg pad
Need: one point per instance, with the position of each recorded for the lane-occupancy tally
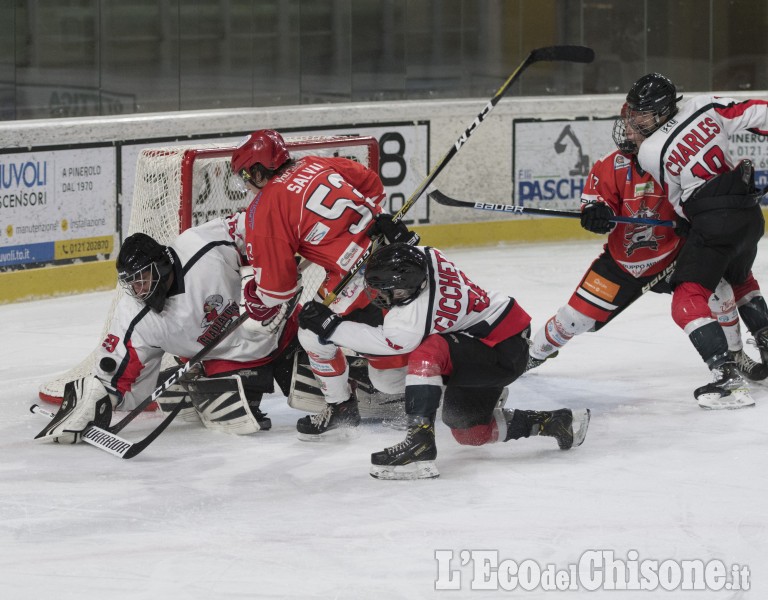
(305, 393)
(86, 402)
(173, 395)
(223, 406)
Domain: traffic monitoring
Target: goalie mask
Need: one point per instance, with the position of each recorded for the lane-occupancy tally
(651, 102)
(395, 275)
(263, 152)
(144, 270)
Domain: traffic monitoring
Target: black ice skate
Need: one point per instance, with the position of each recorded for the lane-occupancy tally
(761, 341)
(339, 419)
(567, 426)
(752, 370)
(413, 458)
(727, 390)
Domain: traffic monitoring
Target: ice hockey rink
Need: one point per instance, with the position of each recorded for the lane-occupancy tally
(203, 515)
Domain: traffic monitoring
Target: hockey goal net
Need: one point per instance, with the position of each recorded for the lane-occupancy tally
(178, 187)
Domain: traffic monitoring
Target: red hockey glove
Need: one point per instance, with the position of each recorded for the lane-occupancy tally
(255, 308)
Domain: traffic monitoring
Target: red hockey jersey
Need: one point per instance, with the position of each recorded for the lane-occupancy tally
(641, 250)
(319, 208)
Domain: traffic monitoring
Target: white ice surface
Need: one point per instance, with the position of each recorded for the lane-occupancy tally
(205, 516)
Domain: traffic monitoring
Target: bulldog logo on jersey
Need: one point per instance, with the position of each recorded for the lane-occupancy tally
(642, 236)
(211, 309)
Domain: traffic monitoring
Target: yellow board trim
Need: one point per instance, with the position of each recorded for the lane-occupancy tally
(45, 282)
(494, 232)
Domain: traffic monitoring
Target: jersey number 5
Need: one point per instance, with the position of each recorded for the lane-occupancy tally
(330, 206)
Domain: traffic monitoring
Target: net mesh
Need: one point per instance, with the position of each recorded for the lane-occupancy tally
(182, 186)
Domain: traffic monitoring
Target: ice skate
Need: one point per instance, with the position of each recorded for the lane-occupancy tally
(761, 341)
(728, 390)
(752, 370)
(334, 421)
(413, 458)
(568, 427)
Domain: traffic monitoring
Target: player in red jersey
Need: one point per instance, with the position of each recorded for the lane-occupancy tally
(458, 336)
(635, 259)
(687, 150)
(323, 209)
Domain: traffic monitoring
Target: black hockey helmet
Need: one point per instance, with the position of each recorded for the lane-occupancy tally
(653, 93)
(144, 269)
(651, 102)
(395, 275)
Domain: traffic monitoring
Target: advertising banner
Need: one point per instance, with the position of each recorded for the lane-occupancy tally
(56, 206)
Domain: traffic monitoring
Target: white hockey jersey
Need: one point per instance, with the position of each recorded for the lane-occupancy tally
(450, 303)
(693, 146)
(203, 299)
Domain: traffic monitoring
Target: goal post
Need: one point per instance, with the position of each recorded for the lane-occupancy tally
(178, 187)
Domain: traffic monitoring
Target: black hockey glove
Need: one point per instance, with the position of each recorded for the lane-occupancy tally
(393, 232)
(683, 227)
(319, 319)
(595, 217)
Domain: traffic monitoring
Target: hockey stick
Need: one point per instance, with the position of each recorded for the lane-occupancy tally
(577, 54)
(113, 444)
(95, 436)
(441, 198)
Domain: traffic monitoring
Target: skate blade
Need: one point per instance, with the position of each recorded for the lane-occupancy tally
(396, 424)
(422, 469)
(580, 425)
(739, 398)
(339, 434)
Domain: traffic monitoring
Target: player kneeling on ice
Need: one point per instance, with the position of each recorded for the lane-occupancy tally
(461, 338)
(178, 299)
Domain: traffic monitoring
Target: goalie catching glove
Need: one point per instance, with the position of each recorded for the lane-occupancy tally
(393, 231)
(86, 402)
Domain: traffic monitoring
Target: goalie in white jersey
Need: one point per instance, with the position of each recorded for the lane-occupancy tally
(178, 299)
(687, 151)
(460, 337)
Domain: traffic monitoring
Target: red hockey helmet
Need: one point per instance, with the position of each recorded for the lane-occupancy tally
(264, 147)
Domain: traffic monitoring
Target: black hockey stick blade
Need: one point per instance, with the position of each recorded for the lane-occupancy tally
(441, 198)
(577, 54)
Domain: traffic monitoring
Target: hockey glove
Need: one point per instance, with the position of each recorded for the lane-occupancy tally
(393, 231)
(86, 402)
(595, 217)
(683, 227)
(319, 319)
(256, 309)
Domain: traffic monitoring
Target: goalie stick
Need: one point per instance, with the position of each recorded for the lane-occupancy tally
(95, 436)
(576, 54)
(104, 439)
(441, 198)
